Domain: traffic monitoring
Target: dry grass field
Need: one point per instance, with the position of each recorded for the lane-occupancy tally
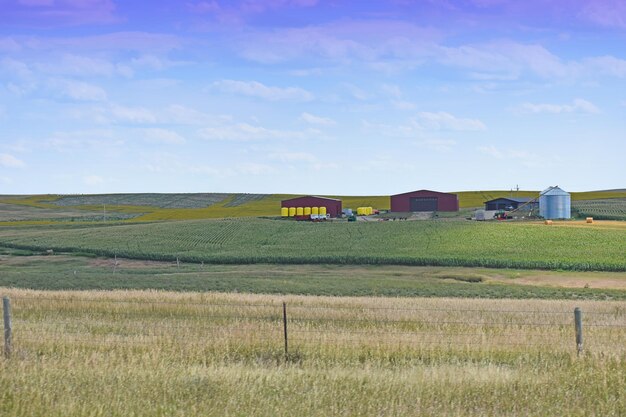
(134, 353)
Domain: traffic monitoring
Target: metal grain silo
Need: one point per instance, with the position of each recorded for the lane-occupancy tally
(555, 203)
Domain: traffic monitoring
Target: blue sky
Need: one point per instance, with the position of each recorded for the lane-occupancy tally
(311, 96)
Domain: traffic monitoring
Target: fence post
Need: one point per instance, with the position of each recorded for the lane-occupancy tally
(285, 328)
(578, 323)
(8, 334)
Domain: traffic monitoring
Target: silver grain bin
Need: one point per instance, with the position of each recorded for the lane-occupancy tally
(555, 203)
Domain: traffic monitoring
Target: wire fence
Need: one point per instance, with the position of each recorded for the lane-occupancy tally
(48, 322)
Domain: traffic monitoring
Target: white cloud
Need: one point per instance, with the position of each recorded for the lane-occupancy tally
(93, 180)
(357, 92)
(607, 65)
(293, 157)
(10, 161)
(609, 13)
(446, 121)
(16, 68)
(255, 169)
(157, 135)
(78, 90)
(439, 145)
(577, 106)
(524, 157)
(132, 114)
(96, 140)
(259, 90)
(246, 132)
(392, 90)
(81, 65)
(390, 46)
(403, 105)
(491, 151)
(317, 120)
(9, 45)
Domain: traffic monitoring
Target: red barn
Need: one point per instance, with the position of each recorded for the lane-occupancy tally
(333, 206)
(424, 200)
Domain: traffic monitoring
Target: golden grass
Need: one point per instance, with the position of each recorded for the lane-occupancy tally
(153, 353)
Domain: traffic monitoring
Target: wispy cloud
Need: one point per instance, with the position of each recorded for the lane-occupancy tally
(93, 180)
(577, 106)
(317, 120)
(52, 13)
(285, 156)
(609, 13)
(526, 158)
(96, 140)
(242, 132)
(131, 114)
(439, 145)
(77, 90)
(10, 161)
(259, 90)
(446, 121)
(164, 136)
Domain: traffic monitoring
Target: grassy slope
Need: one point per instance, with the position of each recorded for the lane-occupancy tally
(270, 204)
(514, 245)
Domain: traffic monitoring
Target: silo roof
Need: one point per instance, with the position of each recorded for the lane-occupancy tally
(554, 191)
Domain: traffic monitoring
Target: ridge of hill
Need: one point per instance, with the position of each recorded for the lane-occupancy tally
(189, 206)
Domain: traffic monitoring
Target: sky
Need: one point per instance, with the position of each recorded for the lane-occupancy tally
(330, 97)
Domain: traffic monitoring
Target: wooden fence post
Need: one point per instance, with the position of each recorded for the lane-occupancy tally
(578, 323)
(8, 331)
(285, 329)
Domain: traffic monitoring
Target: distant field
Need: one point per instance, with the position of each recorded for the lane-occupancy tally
(601, 209)
(443, 243)
(150, 207)
(22, 269)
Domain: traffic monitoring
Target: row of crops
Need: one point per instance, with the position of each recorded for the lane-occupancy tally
(241, 241)
(608, 209)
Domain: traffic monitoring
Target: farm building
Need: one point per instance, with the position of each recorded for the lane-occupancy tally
(333, 206)
(507, 203)
(424, 200)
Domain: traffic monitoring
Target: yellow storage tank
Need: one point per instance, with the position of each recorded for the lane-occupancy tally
(315, 210)
(292, 211)
(307, 211)
(299, 211)
(284, 212)
(322, 211)
(368, 211)
(359, 211)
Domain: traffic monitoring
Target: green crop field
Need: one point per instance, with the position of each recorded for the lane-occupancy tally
(241, 241)
(24, 269)
(601, 209)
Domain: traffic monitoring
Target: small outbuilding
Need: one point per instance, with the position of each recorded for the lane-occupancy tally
(507, 203)
(333, 205)
(424, 200)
